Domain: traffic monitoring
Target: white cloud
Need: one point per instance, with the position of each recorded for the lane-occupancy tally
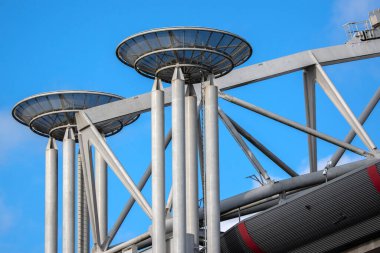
(352, 10)
(12, 135)
(347, 158)
(7, 217)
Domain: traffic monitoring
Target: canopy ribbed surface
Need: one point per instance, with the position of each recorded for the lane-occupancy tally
(49, 114)
(198, 51)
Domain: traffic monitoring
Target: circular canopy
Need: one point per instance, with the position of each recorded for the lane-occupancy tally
(49, 114)
(198, 51)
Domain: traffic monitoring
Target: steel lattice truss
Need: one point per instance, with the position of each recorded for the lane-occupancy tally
(192, 69)
(310, 62)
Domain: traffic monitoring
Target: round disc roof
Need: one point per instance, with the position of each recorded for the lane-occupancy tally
(198, 51)
(49, 114)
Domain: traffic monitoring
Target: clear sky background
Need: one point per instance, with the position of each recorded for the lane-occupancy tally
(63, 45)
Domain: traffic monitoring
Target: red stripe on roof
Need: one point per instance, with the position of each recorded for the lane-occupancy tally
(248, 239)
(374, 176)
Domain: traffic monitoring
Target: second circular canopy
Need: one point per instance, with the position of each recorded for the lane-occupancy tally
(198, 51)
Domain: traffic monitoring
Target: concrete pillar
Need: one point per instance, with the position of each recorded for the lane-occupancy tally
(212, 167)
(83, 219)
(178, 156)
(191, 129)
(158, 169)
(51, 196)
(101, 195)
(68, 215)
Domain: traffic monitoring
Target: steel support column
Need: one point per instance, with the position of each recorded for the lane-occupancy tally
(51, 196)
(89, 184)
(158, 169)
(212, 167)
(101, 194)
(191, 122)
(309, 77)
(178, 156)
(83, 224)
(68, 214)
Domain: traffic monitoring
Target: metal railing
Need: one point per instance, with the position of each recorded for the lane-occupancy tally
(357, 29)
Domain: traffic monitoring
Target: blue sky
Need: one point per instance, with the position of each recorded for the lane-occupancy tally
(60, 45)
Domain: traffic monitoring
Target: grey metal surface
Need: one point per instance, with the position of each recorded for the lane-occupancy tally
(88, 178)
(290, 184)
(191, 131)
(178, 161)
(158, 169)
(48, 114)
(320, 219)
(345, 238)
(309, 79)
(212, 167)
(198, 51)
(101, 186)
(362, 119)
(83, 234)
(68, 192)
(51, 197)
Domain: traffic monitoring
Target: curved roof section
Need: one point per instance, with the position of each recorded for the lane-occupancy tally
(48, 114)
(198, 51)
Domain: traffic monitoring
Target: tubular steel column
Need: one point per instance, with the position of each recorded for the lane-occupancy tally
(212, 167)
(309, 77)
(178, 156)
(51, 196)
(101, 194)
(158, 169)
(68, 222)
(83, 225)
(191, 120)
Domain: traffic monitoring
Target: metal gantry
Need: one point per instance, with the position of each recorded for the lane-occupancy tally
(199, 65)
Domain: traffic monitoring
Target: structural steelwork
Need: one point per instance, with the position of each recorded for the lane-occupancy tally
(184, 55)
(52, 115)
(333, 209)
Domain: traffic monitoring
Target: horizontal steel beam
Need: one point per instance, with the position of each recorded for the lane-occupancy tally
(251, 74)
(289, 185)
(295, 62)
